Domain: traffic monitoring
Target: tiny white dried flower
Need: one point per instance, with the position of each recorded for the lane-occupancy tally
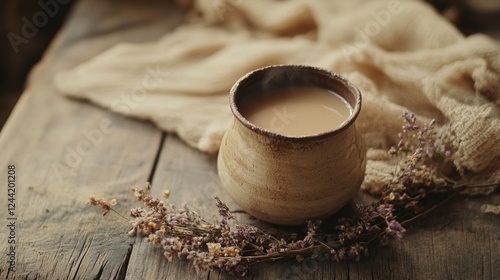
(214, 249)
(166, 194)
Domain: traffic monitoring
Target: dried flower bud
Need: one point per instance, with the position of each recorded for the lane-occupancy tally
(185, 234)
(166, 194)
(105, 205)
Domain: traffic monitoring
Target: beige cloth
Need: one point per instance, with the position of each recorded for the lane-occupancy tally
(401, 54)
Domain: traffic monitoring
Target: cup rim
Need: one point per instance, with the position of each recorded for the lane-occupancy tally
(312, 69)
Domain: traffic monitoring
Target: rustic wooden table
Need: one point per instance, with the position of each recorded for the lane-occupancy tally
(65, 150)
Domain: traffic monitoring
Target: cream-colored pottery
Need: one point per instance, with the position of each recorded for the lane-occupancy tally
(287, 180)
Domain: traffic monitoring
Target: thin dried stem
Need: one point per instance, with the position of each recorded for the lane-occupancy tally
(417, 189)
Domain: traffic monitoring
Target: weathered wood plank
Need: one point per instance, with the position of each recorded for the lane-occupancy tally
(48, 137)
(65, 150)
(190, 177)
(455, 242)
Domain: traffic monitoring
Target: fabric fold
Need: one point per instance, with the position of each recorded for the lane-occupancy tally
(401, 54)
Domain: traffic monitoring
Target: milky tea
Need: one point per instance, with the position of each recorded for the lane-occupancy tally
(296, 111)
(314, 162)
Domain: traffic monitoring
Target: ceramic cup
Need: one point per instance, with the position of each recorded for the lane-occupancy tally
(287, 180)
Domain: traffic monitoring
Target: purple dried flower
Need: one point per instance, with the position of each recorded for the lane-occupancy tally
(183, 233)
(394, 228)
(223, 209)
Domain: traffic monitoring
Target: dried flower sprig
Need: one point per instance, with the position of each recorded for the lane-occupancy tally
(232, 246)
(104, 204)
(185, 234)
(422, 155)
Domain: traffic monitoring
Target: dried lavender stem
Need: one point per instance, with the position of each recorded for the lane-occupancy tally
(421, 155)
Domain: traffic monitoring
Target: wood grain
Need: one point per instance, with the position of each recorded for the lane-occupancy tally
(65, 150)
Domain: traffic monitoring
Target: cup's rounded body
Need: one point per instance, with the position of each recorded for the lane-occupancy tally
(288, 180)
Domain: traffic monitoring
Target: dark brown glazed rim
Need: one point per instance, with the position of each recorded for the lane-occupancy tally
(279, 76)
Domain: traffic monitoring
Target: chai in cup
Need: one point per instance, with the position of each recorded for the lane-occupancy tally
(296, 111)
(293, 152)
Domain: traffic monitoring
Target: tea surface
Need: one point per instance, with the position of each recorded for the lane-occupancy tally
(297, 111)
